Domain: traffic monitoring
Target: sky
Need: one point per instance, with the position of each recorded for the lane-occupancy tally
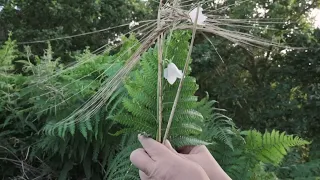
(316, 15)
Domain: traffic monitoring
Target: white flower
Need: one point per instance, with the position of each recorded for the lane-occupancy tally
(132, 24)
(201, 18)
(171, 73)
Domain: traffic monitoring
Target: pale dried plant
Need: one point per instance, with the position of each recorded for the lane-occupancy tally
(171, 16)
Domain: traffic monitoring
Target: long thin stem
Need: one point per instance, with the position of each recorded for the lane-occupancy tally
(186, 66)
(160, 67)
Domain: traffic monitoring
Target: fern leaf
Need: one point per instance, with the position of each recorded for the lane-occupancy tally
(83, 129)
(60, 131)
(136, 123)
(121, 167)
(72, 128)
(185, 129)
(88, 125)
(96, 126)
(271, 147)
(187, 141)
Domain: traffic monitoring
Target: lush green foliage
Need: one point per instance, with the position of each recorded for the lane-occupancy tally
(263, 89)
(141, 105)
(271, 88)
(266, 88)
(37, 102)
(62, 148)
(35, 20)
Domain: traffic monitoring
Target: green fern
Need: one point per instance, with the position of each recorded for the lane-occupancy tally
(7, 54)
(87, 143)
(271, 147)
(140, 113)
(218, 127)
(236, 162)
(120, 167)
(244, 162)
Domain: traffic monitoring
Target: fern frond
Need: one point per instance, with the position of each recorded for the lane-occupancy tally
(120, 166)
(88, 125)
(187, 141)
(136, 123)
(235, 162)
(218, 127)
(83, 129)
(140, 112)
(185, 129)
(72, 128)
(8, 53)
(271, 147)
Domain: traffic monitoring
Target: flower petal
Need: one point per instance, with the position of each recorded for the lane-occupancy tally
(171, 79)
(201, 18)
(174, 71)
(179, 74)
(171, 73)
(165, 73)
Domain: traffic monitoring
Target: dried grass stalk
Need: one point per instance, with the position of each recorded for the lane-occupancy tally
(160, 67)
(175, 103)
(177, 18)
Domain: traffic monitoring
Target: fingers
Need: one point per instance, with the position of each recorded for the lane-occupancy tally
(143, 176)
(169, 146)
(154, 149)
(142, 160)
(193, 149)
(199, 149)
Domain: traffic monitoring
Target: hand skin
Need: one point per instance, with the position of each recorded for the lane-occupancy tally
(201, 156)
(157, 162)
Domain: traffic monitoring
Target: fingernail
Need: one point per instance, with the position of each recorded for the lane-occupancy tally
(141, 136)
(166, 142)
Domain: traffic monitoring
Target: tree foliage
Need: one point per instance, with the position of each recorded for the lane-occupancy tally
(267, 88)
(35, 20)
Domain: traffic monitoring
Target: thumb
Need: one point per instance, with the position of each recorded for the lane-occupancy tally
(169, 146)
(199, 150)
(143, 176)
(142, 160)
(153, 148)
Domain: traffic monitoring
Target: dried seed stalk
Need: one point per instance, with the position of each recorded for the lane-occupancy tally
(186, 66)
(160, 67)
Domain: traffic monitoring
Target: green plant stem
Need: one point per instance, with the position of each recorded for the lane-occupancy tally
(186, 66)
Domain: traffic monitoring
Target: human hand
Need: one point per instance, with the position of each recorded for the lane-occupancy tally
(201, 156)
(155, 161)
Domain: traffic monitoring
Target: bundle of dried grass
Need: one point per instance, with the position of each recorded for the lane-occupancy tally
(171, 16)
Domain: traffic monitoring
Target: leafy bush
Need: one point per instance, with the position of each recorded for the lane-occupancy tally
(37, 143)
